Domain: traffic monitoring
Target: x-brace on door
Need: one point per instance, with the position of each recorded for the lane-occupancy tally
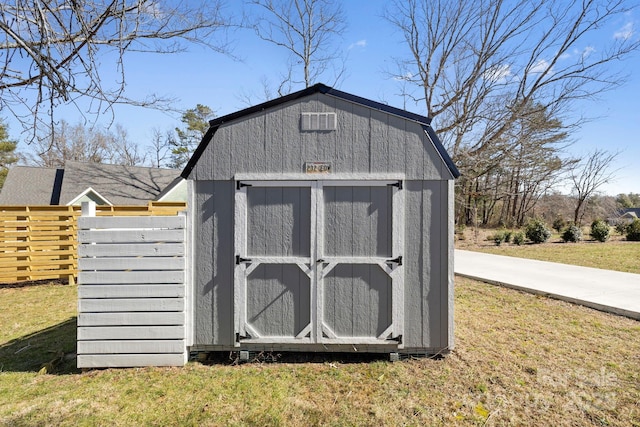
(319, 262)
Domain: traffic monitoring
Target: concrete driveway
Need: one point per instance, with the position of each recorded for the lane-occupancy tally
(606, 290)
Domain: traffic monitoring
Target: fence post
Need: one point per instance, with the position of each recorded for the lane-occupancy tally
(69, 243)
(188, 280)
(88, 208)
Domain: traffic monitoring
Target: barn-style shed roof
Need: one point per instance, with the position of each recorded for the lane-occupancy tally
(424, 121)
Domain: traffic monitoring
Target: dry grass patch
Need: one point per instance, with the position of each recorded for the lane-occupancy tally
(519, 360)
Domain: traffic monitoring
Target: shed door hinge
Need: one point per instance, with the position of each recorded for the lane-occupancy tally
(241, 184)
(398, 339)
(239, 259)
(397, 260)
(396, 184)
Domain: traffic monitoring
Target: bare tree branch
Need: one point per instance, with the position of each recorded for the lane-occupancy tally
(52, 52)
(478, 67)
(306, 29)
(588, 176)
(160, 148)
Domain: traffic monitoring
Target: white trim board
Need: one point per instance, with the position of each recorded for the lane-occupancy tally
(87, 191)
(366, 177)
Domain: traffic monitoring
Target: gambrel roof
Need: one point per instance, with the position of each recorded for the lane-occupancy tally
(425, 122)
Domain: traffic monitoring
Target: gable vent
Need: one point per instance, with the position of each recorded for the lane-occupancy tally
(318, 121)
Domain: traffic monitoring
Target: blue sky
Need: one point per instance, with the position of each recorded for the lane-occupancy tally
(203, 77)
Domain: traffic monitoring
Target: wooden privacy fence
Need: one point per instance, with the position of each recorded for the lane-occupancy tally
(40, 242)
(131, 293)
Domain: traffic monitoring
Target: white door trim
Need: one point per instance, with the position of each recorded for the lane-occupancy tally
(316, 266)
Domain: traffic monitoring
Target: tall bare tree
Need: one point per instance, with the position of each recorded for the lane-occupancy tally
(478, 66)
(71, 143)
(307, 30)
(160, 148)
(124, 151)
(594, 171)
(85, 144)
(53, 52)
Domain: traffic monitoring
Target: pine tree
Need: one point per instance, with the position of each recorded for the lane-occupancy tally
(197, 123)
(8, 154)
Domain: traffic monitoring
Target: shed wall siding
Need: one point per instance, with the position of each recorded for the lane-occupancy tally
(213, 263)
(428, 271)
(366, 140)
(427, 250)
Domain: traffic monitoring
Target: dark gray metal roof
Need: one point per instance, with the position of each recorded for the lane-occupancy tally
(634, 211)
(121, 185)
(320, 88)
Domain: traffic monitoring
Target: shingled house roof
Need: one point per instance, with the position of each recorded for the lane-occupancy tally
(120, 185)
(630, 213)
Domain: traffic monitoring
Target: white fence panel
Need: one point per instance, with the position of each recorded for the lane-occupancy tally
(130, 319)
(129, 290)
(130, 236)
(130, 346)
(132, 277)
(112, 305)
(131, 250)
(130, 263)
(131, 295)
(130, 332)
(140, 222)
(129, 360)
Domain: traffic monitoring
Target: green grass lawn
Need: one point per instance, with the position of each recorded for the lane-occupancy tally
(616, 254)
(519, 359)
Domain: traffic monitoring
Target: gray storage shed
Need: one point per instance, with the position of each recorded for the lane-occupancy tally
(322, 221)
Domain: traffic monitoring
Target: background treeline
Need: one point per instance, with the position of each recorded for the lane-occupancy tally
(556, 206)
(503, 81)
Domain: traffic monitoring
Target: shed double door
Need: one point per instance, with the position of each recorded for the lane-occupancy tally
(319, 262)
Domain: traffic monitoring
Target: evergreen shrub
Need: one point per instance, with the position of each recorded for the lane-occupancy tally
(537, 231)
(572, 234)
(518, 238)
(621, 227)
(559, 224)
(600, 230)
(633, 231)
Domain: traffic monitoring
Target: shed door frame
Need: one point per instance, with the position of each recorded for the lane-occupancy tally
(317, 266)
